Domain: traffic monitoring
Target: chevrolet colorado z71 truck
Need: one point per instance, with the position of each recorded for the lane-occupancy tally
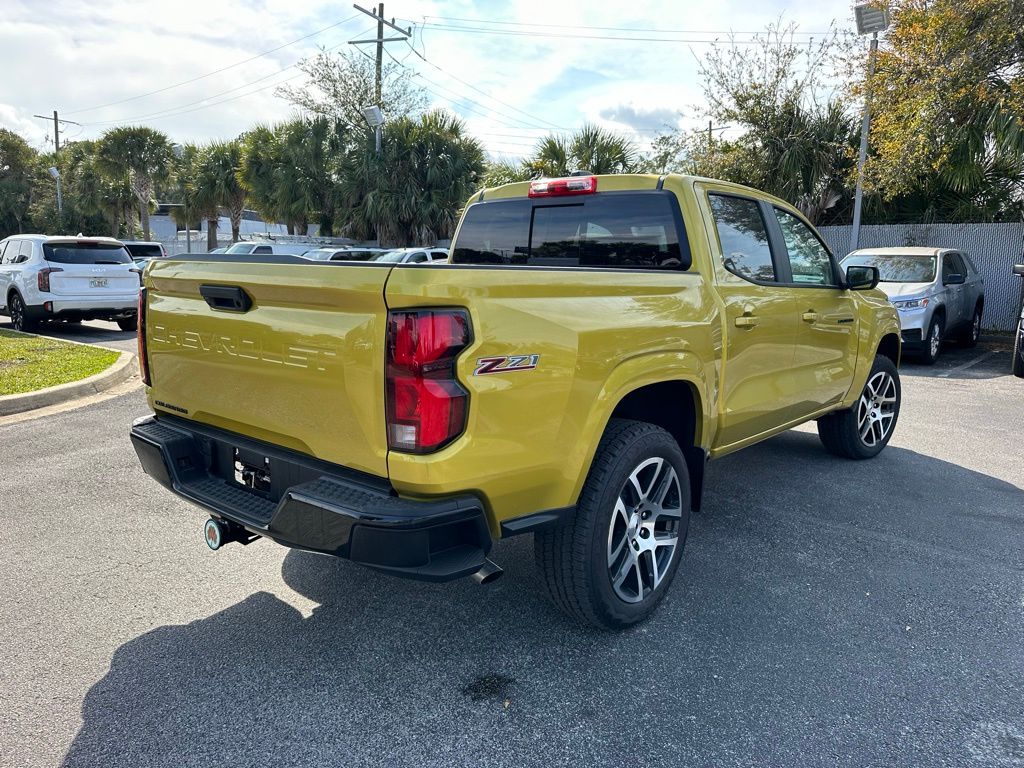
(592, 341)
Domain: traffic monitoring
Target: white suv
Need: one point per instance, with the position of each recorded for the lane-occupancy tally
(67, 278)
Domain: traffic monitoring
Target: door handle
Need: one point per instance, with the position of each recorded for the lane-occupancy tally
(746, 321)
(810, 317)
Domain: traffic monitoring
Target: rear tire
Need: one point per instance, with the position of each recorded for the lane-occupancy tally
(19, 315)
(128, 324)
(933, 340)
(971, 333)
(862, 431)
(613, 563)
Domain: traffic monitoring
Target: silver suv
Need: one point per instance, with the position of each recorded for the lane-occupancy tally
(938, 292)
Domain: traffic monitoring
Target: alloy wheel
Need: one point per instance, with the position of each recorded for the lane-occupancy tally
(935, 340)
(976, 327)
(17, 313)
(876, 409)
(644, 530)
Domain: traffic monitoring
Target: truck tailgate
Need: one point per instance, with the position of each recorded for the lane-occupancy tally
(302, 367)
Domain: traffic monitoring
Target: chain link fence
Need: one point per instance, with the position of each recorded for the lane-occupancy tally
(995, 248)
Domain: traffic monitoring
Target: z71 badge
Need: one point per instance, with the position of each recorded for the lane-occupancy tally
(506, 364)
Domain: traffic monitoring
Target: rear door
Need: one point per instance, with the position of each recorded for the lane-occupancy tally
(825, 354)
(89, 269)
(298, 362)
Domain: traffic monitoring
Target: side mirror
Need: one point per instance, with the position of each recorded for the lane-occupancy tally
(953, 278)
(860, 278)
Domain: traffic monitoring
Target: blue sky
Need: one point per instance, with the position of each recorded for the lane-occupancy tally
(538, 65)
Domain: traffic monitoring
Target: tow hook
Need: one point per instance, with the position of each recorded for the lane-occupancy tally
(488, 573)
(219, 532)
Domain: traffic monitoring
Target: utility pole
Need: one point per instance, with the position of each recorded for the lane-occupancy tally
(56, 128)
(380, 40)
(865, 127)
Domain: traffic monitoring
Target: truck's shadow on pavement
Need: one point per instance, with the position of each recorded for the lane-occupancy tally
(819, 613)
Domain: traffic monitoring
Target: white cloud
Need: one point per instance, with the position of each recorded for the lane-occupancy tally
(76, 56)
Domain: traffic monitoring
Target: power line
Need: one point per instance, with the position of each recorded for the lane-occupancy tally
(216, 71)
(481, 91)
(517, 33)
(609, 29)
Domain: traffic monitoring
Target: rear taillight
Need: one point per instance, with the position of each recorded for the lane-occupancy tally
(43, 277)
(138, 273)
(574, 185)
(141, 335)
(426, 404)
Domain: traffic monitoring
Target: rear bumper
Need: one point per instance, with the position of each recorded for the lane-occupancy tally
(85, 308)
(314, 505)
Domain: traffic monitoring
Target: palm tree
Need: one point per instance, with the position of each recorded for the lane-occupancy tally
(205, 191)
(223, 159)
(138, 155)
(257, 170)
(591, 148)
(413, 191)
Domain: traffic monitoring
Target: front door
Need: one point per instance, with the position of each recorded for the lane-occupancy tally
(825, 353)
(955, 315)
(757, 385)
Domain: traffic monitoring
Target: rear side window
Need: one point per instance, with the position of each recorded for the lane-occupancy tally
(629, 230)
(85, 253)
(746, 251)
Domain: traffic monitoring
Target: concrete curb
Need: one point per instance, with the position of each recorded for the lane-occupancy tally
(122, 370)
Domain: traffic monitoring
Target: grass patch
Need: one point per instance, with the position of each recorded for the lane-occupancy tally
(28, 363)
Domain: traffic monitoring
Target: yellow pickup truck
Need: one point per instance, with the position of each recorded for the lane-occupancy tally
(590, 344)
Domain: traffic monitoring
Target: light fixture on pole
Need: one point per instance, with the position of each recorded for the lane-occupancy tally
(179, 152)
(375, 119)
(60, 200)
(871, 19)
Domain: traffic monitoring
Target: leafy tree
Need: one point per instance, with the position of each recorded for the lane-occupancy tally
(948, 109)
(138, 155)
(210, 170)
(258, 171)
(796, 141)
(413, 191)
(17, 163)
(341, 84)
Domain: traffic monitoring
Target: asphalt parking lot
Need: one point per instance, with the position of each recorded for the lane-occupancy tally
(826, 613)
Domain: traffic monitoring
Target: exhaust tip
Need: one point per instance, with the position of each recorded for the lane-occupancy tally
(488, 573)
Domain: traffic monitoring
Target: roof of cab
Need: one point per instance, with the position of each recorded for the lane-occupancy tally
(69, 239)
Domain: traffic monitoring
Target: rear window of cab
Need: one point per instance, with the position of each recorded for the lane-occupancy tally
(616, 230)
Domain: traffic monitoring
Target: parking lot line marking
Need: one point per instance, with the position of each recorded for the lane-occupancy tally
(968, 364)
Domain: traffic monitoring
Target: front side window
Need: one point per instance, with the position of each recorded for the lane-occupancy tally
(630, 230)
(744, 237)
(809, 260)
(952, 264)
(3, 247)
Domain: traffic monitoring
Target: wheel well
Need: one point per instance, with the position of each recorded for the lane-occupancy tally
(673, 406)
(889, 347)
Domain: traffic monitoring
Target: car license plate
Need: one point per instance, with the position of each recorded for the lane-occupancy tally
(98, 282)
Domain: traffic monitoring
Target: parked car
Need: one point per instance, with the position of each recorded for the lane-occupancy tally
(67, 278)
(143, 250)
(347, 253)
(592, 343)
(1018, 341)
(412, 255)
(257, 248)
(938, 292)
(219, 250)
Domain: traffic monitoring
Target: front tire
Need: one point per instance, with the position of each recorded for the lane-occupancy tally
(1018, 352)
(862, 431)
(613, 563)
(933, 341)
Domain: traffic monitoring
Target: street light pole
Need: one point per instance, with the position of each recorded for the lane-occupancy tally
(871, 18)
(863, 156)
